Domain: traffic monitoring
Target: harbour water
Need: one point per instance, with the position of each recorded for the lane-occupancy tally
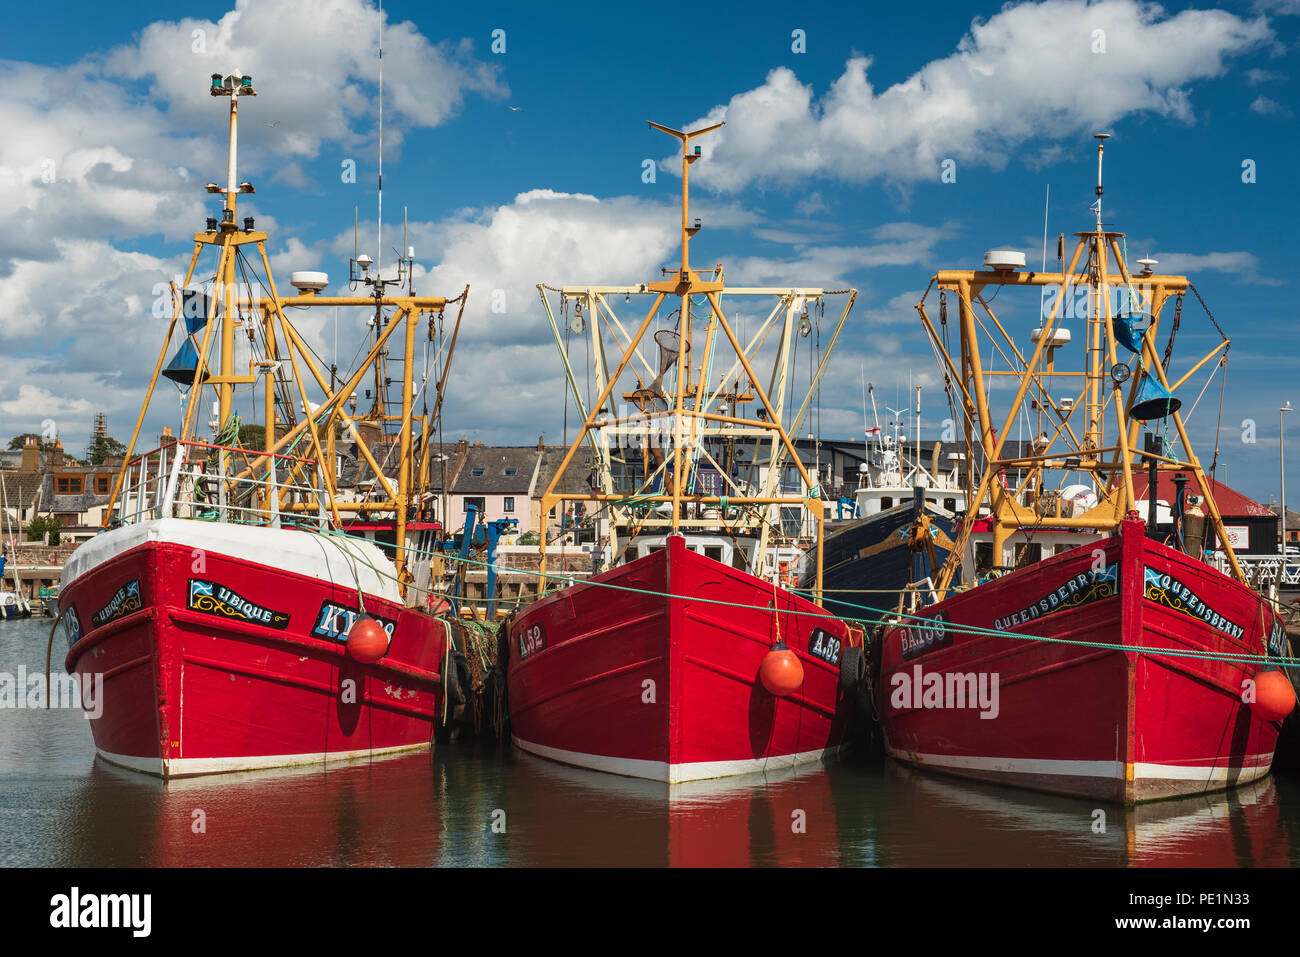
(485, 805)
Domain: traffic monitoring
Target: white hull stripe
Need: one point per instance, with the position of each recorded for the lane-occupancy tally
(188, 767)
(1256, 765)
(675, 773)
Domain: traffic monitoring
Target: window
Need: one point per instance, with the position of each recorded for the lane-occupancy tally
(886, 502)
(101, 484)
(477, 501)
(509, 472)
(1028, 553)
(950, 504)
(68, 484)
(476, 472)
(508, 504)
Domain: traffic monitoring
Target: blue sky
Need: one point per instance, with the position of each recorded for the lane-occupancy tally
(816, 178)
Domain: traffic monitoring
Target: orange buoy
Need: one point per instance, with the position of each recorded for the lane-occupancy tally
(1274, 696)
(782, 671)
(367, 640)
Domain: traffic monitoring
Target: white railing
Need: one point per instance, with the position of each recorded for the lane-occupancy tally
(1262, 570)
(218, 483)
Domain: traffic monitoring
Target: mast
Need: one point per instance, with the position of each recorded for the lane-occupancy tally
(293, 473)
(1121, 375)
(702, 408)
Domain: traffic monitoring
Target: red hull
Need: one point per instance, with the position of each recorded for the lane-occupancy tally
(667, 688)
(245, 669)
(1078, 720)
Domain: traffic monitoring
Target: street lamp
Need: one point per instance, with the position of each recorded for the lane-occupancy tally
(1281, 457)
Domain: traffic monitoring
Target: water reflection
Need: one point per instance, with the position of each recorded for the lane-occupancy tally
(937, 822)
(490, 806)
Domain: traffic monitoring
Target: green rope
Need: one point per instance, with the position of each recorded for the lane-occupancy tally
(229, 433)
(886, 617)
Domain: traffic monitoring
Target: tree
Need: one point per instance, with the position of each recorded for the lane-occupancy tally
(104, 448)
(20, 441)
(42, 524)
(252, 436)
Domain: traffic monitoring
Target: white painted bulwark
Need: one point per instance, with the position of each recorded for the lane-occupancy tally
(347, 562)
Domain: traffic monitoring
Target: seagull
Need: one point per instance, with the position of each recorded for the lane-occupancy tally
(273, 125)
(515, 109)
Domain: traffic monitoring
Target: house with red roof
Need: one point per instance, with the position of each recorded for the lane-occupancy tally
(1252, 528)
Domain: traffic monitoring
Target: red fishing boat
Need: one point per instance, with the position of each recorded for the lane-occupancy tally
(224, 620)
(682, 658)
(652, 670)
(1090, 652)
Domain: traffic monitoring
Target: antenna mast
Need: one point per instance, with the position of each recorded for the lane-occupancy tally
(379, 232)
(1101, 139)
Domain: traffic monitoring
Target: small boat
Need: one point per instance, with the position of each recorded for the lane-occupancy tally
(233, 621)
(49, 599)
(684, 656)
(871, 557)
(13, 605)
(1088, 652)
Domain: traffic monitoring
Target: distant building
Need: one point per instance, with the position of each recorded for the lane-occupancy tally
(1292, 524)
(1252, 528)
(498, 480)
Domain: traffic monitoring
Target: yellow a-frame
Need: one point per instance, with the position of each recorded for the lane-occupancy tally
(690, 409)
(1097, 265)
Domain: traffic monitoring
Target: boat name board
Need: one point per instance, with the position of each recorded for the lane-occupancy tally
(213, 599)
(334, 621)
(1092, 585)
(822, 644)
(1164, 589)
(124, 601)
(925, 635)
(531, 640)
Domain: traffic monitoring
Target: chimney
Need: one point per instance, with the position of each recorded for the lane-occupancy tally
(541, 443)
(56, 454)
(167, 435)
(31, 455)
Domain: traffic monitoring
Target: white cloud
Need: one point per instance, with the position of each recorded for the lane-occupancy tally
(1244, 264)
(316, 62)
(33, 401)
(1027, 73)
(899, 310)
(104, 141)
(811, 205)
(1268, 107)
(115, 147)
(1255, 76)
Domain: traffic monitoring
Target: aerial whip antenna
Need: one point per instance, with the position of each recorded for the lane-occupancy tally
(379, 252)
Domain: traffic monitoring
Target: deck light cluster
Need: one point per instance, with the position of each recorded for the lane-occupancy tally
(235, 84)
